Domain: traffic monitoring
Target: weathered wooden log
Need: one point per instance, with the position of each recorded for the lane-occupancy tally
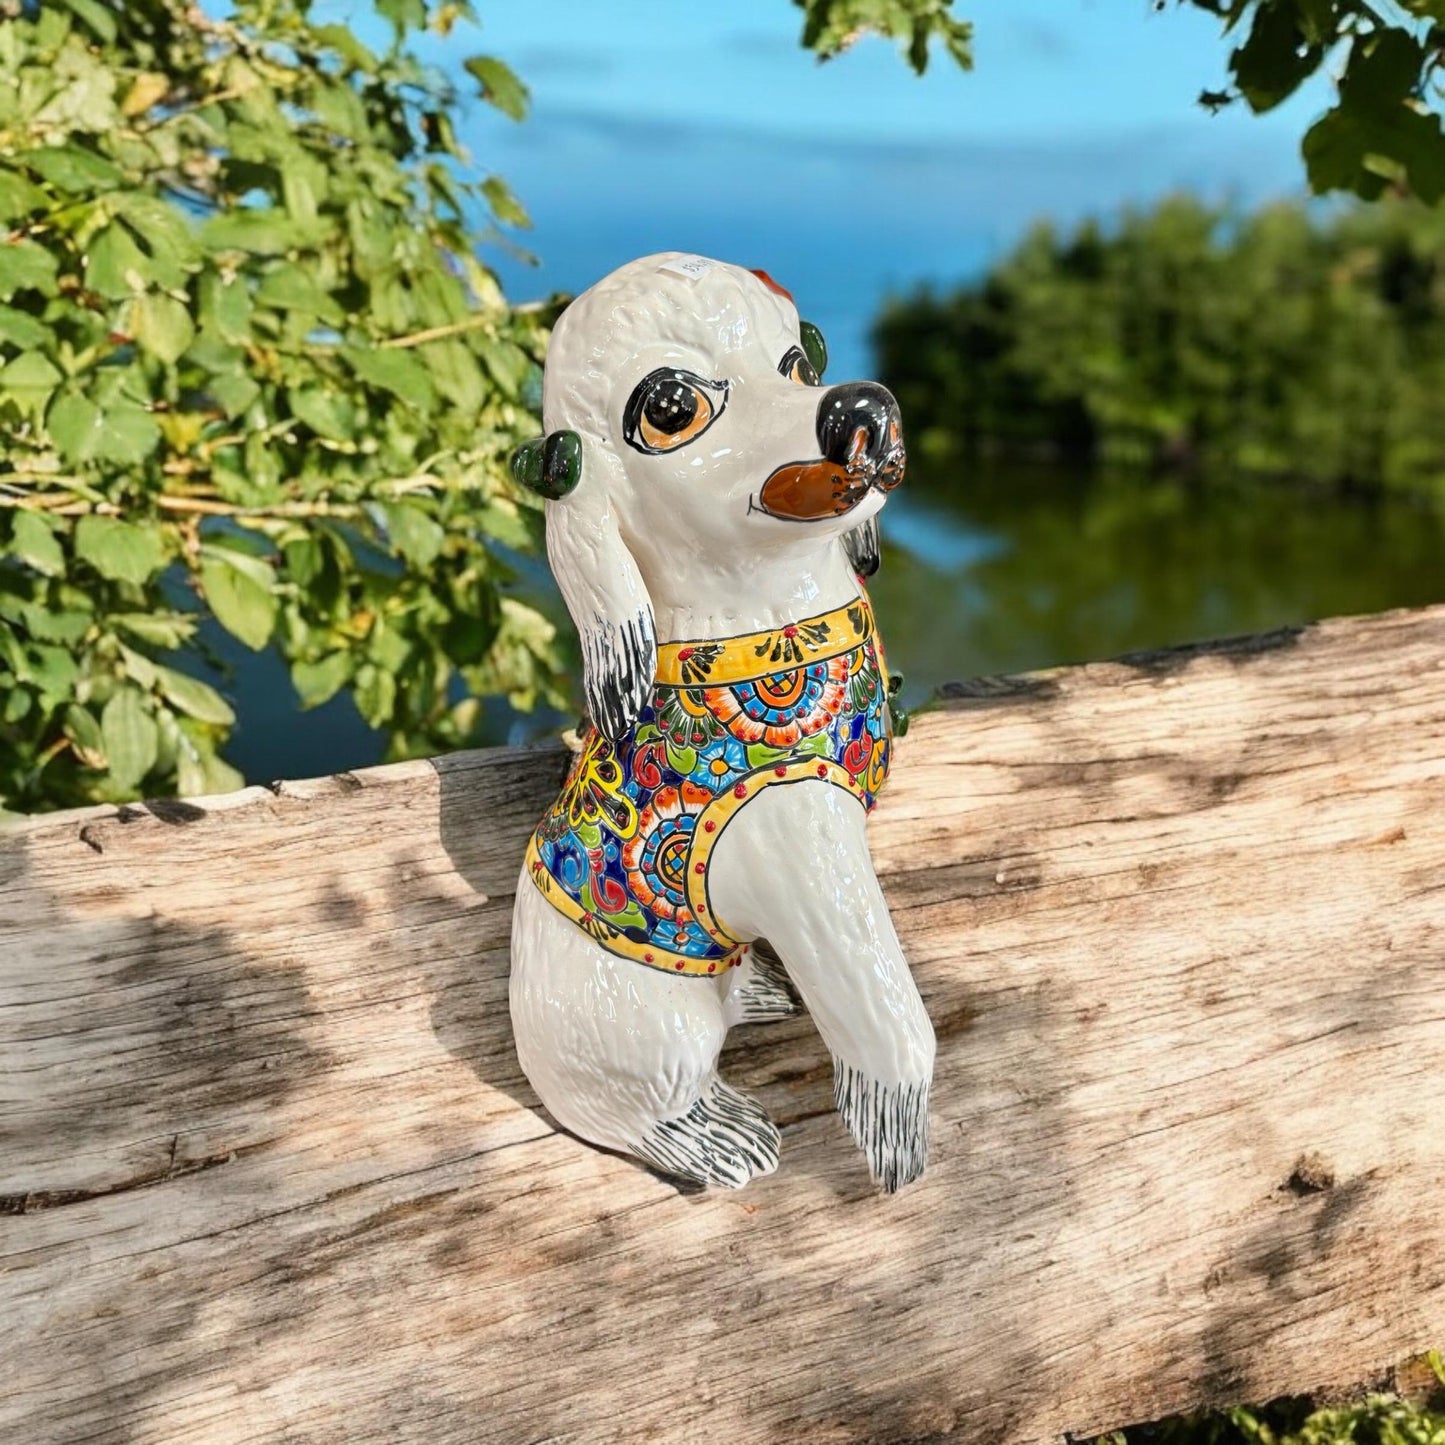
(270, 1171)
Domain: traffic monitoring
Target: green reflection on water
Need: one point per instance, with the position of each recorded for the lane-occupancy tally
(1003, 569)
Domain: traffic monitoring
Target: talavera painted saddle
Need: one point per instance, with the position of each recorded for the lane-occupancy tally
(624, 850)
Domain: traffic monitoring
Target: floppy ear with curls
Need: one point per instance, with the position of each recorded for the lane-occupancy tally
(598, 575)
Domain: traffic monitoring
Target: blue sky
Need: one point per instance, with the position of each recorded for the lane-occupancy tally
(659, 124)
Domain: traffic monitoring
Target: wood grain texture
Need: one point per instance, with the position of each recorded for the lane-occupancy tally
(270, 1171)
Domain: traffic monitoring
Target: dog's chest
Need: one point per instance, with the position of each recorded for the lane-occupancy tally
(624, 851)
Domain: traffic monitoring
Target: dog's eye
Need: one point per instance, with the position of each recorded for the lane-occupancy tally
(669, 408)
(796, 367)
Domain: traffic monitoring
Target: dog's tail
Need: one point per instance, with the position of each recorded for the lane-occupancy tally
(793, 866)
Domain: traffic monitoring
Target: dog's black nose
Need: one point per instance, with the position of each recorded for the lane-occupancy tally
(859, 426)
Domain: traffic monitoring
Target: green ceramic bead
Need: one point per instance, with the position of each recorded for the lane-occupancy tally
(561, 464)
(527, 464)
(814, 347)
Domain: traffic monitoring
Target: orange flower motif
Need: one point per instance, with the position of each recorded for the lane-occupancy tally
(656, 856)
(784, 707)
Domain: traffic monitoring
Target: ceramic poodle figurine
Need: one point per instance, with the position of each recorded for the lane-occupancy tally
(710, 507)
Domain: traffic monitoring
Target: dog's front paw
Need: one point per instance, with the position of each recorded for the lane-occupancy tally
(888, 1122)
(725, 1138)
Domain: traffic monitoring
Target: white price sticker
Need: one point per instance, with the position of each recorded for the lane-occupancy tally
(690, 268)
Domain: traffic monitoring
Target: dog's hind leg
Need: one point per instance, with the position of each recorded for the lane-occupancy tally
(793, 866)
(725, 1138)
(626, 1056)
(761, 989)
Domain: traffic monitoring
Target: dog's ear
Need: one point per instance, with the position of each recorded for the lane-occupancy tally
(604, 592)
(864, 547)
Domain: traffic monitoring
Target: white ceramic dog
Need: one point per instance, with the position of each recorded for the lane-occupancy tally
(711, 507)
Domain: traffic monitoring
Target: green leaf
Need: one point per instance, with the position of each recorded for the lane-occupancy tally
(49, 624)
(17, 705)
(162, 325)
(194, 697)
(505, 205)
(129, 434)
(121, 551)
(72, 168)
(508, 365)
(53, 670)
(29, 379)
(130, 736)
(200, 773)
(499, 85)
(243, 604)
(328, 413)
(351, 50)
(166, 234)
(1275, 59)
(26, 266)
(234, 392)
(403, 14)
(227, 307)
(375, 695)
(34, 542)
(85, 736)
(114, 265)
(74, 425)
(138, 667)
(20, 328)
(303, 559)
(96, 16)
(289, 287)
(261, 232)
(395, 370)
(502, 519)
(414, 534)
(318, 682)
(18, 196)
(161, 629)
(1382, 71)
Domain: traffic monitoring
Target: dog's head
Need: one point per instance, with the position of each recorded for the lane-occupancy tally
(687, 422)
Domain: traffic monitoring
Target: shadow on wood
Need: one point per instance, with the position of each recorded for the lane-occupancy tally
(269, 1168)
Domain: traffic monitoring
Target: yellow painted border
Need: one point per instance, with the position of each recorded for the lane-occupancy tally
(651, 955)
(720, 812)
(740, 657)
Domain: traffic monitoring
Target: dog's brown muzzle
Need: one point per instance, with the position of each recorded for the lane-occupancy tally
(860, 435)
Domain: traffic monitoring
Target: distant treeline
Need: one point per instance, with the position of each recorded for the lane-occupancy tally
(1279, 342)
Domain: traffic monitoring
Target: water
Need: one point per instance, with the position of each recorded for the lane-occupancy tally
(1003, 569)
(1010, 569)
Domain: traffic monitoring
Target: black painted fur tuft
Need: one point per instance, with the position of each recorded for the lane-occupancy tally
(864, 547)
(769, 992)
(889, 1123)
(619, 664)
(725, 1138)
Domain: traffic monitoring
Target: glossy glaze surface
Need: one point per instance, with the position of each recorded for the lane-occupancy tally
(706, 553)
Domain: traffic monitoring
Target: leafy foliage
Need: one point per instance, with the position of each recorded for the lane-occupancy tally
(1383, 132)
(249, 366)
(1377, 1419)
(831, 26)
(1270, 344)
